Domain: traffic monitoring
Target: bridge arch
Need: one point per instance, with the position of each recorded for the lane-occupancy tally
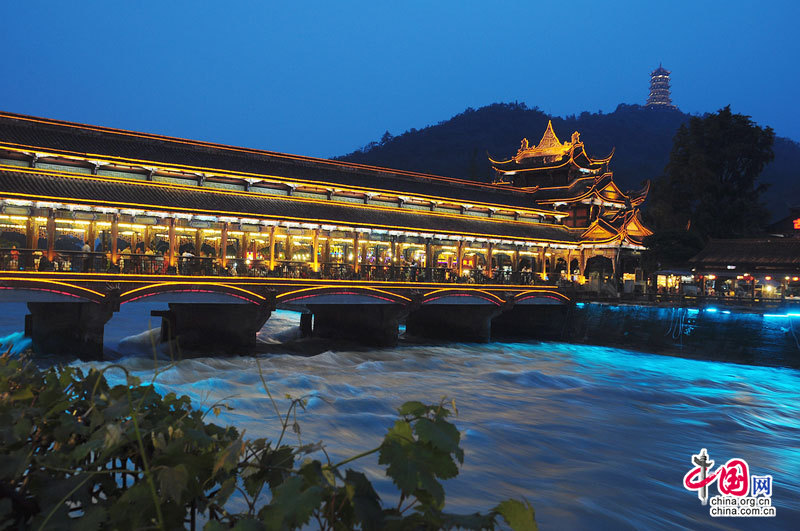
(341, 295)
(192, 292)
(540, 297)
(44, 290)
(461, 296)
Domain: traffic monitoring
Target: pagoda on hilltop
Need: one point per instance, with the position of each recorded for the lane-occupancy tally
(562, 176)
(660, 96)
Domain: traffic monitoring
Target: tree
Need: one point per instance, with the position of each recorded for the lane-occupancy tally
(710, 184)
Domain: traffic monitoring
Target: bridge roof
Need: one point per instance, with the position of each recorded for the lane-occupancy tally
(109, 192)
(72, 139)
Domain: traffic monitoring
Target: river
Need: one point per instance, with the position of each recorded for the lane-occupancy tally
(593, 437)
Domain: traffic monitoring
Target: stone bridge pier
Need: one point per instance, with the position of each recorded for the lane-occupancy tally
(213, 327)
(456, 322)
(74, 328)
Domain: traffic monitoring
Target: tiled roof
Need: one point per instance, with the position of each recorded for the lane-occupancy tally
(154, 196)
(69, 138)
(757, 252)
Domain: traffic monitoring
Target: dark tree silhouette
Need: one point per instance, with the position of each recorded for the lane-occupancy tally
(711, 182)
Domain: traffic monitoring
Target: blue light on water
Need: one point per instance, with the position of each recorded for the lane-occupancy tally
(579, 305)
(726, 311)
(711, 310)
(692, 311)
(782, 315)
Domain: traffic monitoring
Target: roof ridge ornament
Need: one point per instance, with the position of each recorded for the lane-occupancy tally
(549, 138)
(549, 146)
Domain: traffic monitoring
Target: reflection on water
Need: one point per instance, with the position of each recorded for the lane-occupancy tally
(594, 437)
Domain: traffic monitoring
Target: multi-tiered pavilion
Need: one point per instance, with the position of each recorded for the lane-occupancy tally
(562, 176)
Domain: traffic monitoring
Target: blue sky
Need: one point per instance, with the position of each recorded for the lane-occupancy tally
(324, 78)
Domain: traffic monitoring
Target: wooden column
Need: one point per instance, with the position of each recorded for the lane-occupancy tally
(569, 266)
(171, 258)
(489, 253)
(91, 234)
(429, 259)
(32, 232)
(582, 261)
(289, 250)
(460, 257)
(114, 238)
(51, 234)
(244, 243)
(543, 261)
(326, 255)
(148, 237)
(356, 247)
(314, 245)
(515, 265)
(272, 248)
(198, 241)
(223, 244)
(393, 247)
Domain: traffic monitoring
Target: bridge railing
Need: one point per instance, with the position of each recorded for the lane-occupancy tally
(13, 259)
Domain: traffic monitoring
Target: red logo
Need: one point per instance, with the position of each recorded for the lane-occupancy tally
(732, 478)
(796, 223)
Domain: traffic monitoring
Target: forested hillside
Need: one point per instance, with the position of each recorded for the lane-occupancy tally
(641, 137)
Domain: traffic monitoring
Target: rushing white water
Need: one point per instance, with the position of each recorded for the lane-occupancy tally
(593, 437)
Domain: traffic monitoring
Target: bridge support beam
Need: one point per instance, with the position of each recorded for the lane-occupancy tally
(532, 321)
(74, 328)
(368, 324)
(458, 322)
(213, 327)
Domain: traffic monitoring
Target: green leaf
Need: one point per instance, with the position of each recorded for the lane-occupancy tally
(291, 505)
(172, 482)
(159, 441)
(520, 516)
(475, 521)
(366, 502)
(248, 524)
(94, 518)
(225, 491)
(413, 408)
(228, 458)
(23, 394)
(113, 435)
(214, 525)
(440, 433)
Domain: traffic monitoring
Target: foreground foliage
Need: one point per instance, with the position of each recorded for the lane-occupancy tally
(77, 453)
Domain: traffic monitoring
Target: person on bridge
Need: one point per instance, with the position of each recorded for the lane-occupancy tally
(85, 252)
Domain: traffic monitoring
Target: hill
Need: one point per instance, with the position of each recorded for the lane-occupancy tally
(641, 137)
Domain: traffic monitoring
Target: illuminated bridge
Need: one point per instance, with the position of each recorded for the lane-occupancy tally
(94, 218)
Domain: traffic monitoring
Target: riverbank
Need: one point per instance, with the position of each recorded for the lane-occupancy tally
(770, 337)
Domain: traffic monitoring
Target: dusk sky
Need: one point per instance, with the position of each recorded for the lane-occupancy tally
(324, 78)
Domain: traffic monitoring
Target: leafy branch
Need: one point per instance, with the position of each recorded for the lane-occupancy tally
(75, 450)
